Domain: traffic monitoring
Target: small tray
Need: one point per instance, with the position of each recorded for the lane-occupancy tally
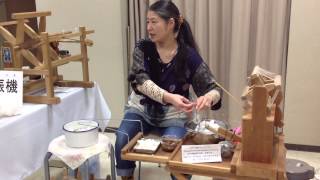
(159, 156)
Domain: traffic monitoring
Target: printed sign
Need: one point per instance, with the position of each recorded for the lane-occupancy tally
(201, 153)
(11, 92)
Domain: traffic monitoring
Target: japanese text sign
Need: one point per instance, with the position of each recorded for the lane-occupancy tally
(11, 92)
(201, 153)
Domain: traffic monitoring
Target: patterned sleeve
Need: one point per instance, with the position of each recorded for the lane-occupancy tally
(203, 83)
(153, 91)
(138, 74)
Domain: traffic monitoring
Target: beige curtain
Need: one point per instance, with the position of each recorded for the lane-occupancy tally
(233, 36)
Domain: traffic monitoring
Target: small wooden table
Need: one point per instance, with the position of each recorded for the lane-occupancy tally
(227, 169)
(217, 170)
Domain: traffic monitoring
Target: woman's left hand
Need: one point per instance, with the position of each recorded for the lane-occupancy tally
(203, 102)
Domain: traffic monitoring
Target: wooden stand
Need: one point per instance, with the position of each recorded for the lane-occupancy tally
(261, 152)
(43, 57)
(275, 170)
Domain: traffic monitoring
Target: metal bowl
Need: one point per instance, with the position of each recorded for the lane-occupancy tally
(199, 138)
(169, 142)
(81, 133)
(201, 135)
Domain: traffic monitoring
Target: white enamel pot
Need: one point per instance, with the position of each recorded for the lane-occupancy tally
(81, 133)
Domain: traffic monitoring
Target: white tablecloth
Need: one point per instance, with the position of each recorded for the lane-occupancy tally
(24, 139)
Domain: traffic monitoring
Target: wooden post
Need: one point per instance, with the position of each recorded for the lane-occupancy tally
(20, 39)
(42, 28)
(258, 129)
(47, 64)
(42, 24)
(84, 53)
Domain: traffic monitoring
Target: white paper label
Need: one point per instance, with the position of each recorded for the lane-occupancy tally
(11, 92)
(201, 153)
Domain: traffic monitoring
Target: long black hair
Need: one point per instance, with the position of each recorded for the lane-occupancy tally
(166, 10)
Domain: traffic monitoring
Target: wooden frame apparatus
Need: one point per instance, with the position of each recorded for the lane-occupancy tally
(38, 51)
(261, 153)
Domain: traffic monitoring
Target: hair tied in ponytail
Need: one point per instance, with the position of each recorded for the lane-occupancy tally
(181, 19)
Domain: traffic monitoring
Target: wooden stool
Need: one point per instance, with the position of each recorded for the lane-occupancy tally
(59, 140)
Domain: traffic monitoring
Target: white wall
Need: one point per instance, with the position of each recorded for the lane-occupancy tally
(106, 56)
(302, 104)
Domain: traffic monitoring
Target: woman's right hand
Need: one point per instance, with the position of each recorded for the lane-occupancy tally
(178, 101)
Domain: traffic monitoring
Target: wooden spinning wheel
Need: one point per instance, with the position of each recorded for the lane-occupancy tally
(38, 51)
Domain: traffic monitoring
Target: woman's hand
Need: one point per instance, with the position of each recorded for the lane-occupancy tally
(178, 101)
(203, 102)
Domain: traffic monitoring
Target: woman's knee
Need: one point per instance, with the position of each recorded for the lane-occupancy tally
(121, 139)
(130, 125)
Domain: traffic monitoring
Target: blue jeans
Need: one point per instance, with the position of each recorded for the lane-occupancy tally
(124, 167)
